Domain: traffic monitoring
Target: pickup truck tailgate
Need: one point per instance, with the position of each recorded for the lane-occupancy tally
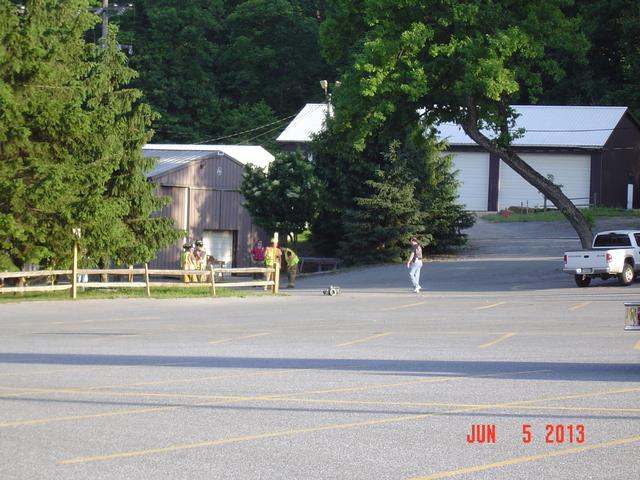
(586, 260)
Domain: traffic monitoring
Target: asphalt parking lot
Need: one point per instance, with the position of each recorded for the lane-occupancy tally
(377, 382)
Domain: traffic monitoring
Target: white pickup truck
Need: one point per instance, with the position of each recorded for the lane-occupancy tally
(614, 254)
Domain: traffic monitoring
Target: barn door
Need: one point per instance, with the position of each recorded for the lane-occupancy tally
(219, 243)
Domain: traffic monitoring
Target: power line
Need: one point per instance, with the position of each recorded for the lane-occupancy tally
(257, 128)
(258, 136)
(246, 131)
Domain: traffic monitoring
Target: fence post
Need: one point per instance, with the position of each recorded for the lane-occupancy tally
(146, 279)
(130, 274)
(74, 270)
(213, 281)
(276, 276)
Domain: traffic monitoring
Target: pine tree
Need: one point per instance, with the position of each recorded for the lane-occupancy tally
(437, 191)
(380, 225)
(70, 142)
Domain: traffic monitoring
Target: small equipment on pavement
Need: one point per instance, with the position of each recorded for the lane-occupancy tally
(331, 291)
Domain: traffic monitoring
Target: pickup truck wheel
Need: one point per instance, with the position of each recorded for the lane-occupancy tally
(626, 277)
(582, 280)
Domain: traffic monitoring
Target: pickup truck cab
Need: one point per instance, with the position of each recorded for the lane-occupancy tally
(614, 254)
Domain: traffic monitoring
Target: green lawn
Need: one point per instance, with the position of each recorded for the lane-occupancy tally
(556, 216)
(159, 292)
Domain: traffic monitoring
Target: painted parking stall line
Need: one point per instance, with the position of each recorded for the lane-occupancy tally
(341, 426)
(493, 305)
(498, 340)
(364, 340)
(243, 337)
(529, 458)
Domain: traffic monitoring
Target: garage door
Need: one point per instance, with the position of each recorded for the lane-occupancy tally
(473, 177)
(573, 172)
(219, 243)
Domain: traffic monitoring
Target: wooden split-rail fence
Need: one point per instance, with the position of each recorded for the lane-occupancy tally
(188, 279)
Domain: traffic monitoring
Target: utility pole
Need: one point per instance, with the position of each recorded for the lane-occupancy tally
(105, 19)
(107, 11)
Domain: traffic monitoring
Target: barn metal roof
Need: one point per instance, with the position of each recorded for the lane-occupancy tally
(545, 126)
(552, 126)
(171, 157)
(307, 123)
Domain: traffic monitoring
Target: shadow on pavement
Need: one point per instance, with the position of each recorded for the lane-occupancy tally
(608, 372)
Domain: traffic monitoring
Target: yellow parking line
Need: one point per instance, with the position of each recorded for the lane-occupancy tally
(48, 372)
(119, 319)
(497, 340)
(637, 345)
(210, 400)
(490, 306)
(225, 441)
(40, 421)
(603, 410)
(362, 340)
(580, 305)
(225, 340)
(403, 306)
(529, 458)
(342, 426)
(217, 399)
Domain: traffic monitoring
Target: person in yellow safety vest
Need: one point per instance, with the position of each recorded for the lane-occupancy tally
(187, 261)
(292, 266)
(272, 256)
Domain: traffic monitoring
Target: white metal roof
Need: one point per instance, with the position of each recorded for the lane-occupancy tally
(552, 126)
(171, 157)
(545, 126)
(307, 123)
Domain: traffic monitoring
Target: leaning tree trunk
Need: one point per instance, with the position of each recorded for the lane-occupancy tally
(544, 185)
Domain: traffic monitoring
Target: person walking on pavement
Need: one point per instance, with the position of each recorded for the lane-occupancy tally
(414, 264)
(292, 266)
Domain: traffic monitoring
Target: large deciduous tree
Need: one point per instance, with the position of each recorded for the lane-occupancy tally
(284, 197)
(71, 134)
(461, 61)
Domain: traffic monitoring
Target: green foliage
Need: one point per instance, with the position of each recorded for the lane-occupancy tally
(610, 74)
(444, 56)
(284, 197)
(70, 143)
(176, 47)
(271, 54)
(342, 173)
(463, 62)
(437, 191)
(213, 68)
(380, 225)
(346, 175)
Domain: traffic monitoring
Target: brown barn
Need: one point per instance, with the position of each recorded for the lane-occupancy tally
(203, 182)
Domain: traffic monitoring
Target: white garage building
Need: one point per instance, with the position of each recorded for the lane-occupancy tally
(566, 144)
(592, 152)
